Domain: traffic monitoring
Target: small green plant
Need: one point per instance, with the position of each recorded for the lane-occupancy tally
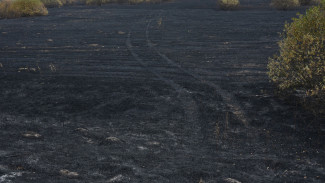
(285, 4)
(300, 65)
(229, 4)
(22, 8)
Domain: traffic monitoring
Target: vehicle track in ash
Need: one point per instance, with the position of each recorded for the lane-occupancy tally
(193, 127)
(236, 131)
(172, 68)
(226, 96)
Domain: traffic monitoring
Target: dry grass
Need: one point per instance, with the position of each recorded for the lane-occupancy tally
(229, 4)
(285, 4)
(21, 8)
(4, 8)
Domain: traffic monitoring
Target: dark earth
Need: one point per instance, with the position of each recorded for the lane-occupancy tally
(174, 92)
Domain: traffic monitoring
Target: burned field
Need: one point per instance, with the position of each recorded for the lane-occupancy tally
(174, 92)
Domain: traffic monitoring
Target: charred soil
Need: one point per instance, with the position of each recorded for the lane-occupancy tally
(174, 92)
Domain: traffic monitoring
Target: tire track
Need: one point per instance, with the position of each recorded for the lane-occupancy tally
(189, 104)
(226, 96)
(192, 126)
(191, 108)
(175, 86)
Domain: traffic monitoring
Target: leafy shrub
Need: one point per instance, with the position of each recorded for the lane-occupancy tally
(22, 8)
(300, 65)
(228, 4)
(285, 4)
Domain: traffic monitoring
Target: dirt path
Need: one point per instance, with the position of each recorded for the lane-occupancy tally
(173, 92)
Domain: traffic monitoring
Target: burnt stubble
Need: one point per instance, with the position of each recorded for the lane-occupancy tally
(173, 92)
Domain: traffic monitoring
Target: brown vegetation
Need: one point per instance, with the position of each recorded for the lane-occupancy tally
(21, 8)
(229, 4)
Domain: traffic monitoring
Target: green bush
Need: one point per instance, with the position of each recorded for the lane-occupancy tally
(229, 4)
(22, 8)
(285, 4)
(300, 65)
